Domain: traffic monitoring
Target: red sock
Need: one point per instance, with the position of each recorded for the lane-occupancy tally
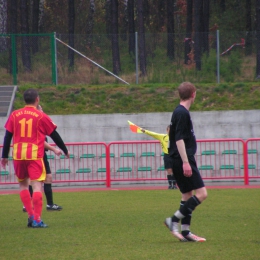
(27, 202)
(37, 204)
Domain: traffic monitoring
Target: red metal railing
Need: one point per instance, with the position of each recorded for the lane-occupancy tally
(142, 161)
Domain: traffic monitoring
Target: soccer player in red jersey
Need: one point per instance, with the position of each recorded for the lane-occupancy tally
(28, 128)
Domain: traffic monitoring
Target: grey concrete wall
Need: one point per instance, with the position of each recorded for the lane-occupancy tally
(114, 127)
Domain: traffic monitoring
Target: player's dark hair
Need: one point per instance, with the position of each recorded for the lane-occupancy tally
(30, 96)
(186, 89)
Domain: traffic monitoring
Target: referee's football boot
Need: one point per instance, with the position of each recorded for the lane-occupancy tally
(174, 228)
(40, 224)
(193, 238)
(54, 207)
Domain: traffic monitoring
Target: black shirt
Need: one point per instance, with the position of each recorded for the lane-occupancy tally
(182, 128)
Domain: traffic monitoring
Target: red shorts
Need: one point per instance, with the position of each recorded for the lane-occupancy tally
(33, 169)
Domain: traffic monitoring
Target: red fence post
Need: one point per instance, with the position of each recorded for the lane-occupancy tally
(108, 174)
(246, 177)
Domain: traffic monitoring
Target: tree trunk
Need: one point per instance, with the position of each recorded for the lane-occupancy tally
(90, 23)
(114, 37)
(41, 16)
(124, 21)
(131, 26)
(257, 3)
(35, 26)
(223, 5)
(248, 41)
(26, 56)
(141, 37)
(161, 14)
(71, 32)
(170, 29)
(108, 17)
(188, 38)
(197, 32)
(205, 28)
(13, 7)
(3, 25)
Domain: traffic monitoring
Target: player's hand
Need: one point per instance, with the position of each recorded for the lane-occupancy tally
(57, 152)
(143, 130)
(187, 171)
(68, 154)
(4, 162)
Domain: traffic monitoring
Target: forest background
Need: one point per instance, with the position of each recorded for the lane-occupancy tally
(104, 31)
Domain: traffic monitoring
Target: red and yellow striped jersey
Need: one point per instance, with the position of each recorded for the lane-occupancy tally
(29, 127)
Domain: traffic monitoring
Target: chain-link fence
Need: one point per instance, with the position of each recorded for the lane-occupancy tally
(159, 58)
(26, 58)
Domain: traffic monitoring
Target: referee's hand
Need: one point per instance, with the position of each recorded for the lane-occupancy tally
(187, 169)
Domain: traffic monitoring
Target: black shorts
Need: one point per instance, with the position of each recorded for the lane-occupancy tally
(167, 161)
(46, 164)
(187, 184)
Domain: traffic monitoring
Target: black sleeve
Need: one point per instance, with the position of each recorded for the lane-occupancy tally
(7, 142)
(58, 141)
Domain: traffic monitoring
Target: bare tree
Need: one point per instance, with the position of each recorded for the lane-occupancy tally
(114, 37)
(257, 11)
(71, 26)
(141, 37)
(170, 29)
(248, 42)
(108, 17)
(35, 25)
(13, 7)
(124, 21)
(161, 13)
(3, 24)
(26, 56)
(198, 4)
(90, 23)
(131, 26)
(223, 5)
(41, 15)
(188, 38)
(205, 26)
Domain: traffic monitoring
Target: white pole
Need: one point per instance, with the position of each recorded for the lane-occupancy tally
(136, 58)
(218, 76)
(55, 57)
(92, 61)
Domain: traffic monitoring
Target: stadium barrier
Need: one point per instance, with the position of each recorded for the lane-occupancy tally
(132, 162)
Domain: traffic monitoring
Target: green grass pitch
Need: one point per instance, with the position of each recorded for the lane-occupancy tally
(129, 225)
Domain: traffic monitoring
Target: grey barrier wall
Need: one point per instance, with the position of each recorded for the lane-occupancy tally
(243, 124)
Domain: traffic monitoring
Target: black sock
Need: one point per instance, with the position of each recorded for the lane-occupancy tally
(175, 218)
(173, 180)
(169, 178)
(48, 193)
(186, 209)
(31, 190)
(189, 206)
(185, 222)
